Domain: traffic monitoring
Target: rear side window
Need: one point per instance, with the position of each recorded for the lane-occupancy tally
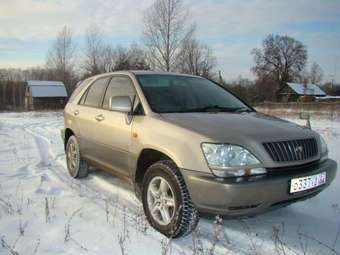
(119, 86)
(79, 88)
(83, 97)
(95, 93)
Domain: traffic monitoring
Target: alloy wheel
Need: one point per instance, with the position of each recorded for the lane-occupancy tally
(72, 158)
(161, 200)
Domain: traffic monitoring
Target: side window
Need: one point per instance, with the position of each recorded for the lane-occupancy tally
(119, 86)
(95, 92)
(83, 97)
(78, 89)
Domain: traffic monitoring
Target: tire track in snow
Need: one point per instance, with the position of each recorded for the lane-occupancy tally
(92, 189)
(98, 197)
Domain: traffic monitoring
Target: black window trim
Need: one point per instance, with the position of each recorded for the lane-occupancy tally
(231, 92)
(134, 88)
(84, 95)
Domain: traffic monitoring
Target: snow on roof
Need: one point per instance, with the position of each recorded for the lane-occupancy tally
(329, 97)
(44, 83)
(311, 89)
(47, 88)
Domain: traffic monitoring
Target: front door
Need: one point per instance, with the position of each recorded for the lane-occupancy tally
(113, 133)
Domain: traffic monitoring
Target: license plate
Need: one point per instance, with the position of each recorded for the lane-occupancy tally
(307, 182)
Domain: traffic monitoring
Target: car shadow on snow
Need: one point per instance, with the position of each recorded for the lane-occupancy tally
(293, 223)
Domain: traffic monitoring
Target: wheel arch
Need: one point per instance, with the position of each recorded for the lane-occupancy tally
(68, 133)
(146, 158)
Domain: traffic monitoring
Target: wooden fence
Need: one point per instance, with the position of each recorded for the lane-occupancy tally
(12, 95)
(329, 110)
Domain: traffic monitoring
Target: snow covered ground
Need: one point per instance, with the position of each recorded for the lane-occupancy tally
(44, 211)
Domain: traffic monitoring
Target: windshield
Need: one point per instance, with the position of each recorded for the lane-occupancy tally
(175, 93)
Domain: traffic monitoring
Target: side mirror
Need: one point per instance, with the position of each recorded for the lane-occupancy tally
(120, 104)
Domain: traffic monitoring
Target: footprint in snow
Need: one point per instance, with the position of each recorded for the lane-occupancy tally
(45, 178)
(50, 191)
(43, 164)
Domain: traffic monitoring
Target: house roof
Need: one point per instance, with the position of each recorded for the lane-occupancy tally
(47, 88)
(311, 89)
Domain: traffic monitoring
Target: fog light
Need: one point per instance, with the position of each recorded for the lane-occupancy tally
(257, 171)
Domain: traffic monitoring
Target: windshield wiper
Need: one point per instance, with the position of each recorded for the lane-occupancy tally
(214, 108)
(244, 109)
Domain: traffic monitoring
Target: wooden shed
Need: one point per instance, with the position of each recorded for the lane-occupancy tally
(41, 95)
(292, 92)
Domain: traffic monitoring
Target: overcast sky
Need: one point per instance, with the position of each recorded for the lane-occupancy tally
(230, 27)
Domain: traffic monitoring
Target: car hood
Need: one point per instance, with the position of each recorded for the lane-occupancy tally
(238, 128)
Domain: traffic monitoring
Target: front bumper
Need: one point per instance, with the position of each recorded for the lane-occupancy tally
(252, 195)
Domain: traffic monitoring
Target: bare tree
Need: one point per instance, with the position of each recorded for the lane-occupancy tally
(117, 58)
(94, 50)
(281, 58)
(137, 58)
(12, 74)
(197, 59)
(108, 58)
(121, 59)
(165, 29)
(37, 73)
(130, 59)
(2, 74)
(315, 74)
(12, 87)
(303, 77)
(61, 57)
(31, 73)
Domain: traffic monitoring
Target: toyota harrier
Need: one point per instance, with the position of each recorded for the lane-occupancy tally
(188, 145)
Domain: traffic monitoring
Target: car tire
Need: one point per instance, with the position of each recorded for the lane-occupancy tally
(157, 199)
(77, 167)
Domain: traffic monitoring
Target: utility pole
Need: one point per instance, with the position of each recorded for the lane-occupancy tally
(220, 79)
(332, 77)
(335, 66)
(305, 114)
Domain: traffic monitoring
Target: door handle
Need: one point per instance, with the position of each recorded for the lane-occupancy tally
(100, 117)
(76, 112)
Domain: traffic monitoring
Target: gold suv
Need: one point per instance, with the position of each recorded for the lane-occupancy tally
(188, 145)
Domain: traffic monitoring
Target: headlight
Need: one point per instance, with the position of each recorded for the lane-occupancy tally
(227, 160)
(324, 149)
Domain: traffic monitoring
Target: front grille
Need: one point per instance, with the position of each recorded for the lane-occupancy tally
(292, 150)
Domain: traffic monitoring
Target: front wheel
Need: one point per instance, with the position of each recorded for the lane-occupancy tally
(166, 200)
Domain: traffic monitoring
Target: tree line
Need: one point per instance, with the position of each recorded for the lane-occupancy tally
(169, 43)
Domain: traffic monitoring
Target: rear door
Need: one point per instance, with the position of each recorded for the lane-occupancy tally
(113, 133)
(89, 114)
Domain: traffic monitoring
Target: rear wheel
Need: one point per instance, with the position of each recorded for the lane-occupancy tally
(166, 200)
(77, 167)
